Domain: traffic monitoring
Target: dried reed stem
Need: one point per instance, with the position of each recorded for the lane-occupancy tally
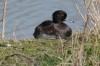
(3, 20)
(93, 12)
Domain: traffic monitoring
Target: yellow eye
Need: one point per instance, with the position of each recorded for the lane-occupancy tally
(62, 14)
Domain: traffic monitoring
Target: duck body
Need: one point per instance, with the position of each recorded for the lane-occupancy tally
(55, 27)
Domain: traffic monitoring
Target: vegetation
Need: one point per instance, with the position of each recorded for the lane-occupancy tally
(46, 52)
(82, 49)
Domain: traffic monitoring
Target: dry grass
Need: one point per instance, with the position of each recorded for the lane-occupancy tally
(82, 49)
(91, 31)
(92, 8)
(46, 52)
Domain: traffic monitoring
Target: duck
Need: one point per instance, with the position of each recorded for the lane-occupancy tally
(55, 27)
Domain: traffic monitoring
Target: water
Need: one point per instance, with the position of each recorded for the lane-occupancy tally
(24, 15)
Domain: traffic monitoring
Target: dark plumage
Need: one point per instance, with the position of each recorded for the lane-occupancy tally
(54, 28)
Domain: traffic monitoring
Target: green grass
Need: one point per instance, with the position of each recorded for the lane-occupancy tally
(46, 52)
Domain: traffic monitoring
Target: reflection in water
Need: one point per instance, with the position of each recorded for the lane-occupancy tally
(24, 15)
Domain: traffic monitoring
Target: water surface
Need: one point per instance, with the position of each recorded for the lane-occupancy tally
(24, 15)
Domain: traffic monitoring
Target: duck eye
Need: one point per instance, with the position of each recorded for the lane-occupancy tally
(62, 14)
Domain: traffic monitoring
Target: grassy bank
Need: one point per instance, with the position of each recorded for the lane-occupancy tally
(46, 52)
(82, 49)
